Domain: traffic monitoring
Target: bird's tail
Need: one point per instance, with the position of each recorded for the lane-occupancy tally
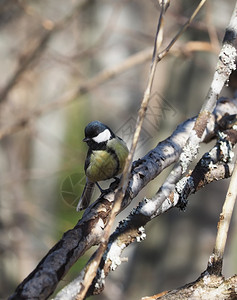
(85, 199)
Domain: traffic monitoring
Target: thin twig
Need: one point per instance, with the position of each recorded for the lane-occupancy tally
(216, 259)
(37, 51)
(181, 31)
(225, 216)
(83, 88)
(92, 266)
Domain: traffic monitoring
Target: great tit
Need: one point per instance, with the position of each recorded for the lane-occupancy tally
(105, 159)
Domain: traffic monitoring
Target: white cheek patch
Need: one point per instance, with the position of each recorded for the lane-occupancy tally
(102, 137)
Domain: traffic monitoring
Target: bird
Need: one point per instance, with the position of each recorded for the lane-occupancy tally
(106, 158)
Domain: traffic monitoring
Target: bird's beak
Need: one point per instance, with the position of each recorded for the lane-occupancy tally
(86, 139)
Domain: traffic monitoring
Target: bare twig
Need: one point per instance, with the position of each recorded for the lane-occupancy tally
(90, 271)
(83, 88)
(216, 259)
(181, 31)
(193, 46)
(37, 51)
(30, 58)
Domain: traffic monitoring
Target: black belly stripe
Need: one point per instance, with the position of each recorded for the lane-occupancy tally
(115, 156)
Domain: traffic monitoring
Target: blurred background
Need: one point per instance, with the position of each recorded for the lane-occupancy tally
(48, 49)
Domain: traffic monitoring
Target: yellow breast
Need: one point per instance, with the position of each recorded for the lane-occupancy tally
(105, 164)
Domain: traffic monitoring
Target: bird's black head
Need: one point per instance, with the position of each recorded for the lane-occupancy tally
(97, 134)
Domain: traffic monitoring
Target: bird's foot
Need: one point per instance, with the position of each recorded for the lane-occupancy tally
(116, 180)
(112, 186)
(101, 190)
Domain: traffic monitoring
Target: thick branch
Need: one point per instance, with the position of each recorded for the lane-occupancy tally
(132, 228)
(42, 282)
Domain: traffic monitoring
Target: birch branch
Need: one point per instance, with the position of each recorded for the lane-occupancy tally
(225, 65)
(132, 228)
(37, 51)
(216, 259)
(42, 281)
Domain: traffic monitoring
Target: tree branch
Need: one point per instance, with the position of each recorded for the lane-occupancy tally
(37, 51)
(205, 288)
(168, 196)
(225, 65)
(216, 259)
(78, 91)
(43, 280)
